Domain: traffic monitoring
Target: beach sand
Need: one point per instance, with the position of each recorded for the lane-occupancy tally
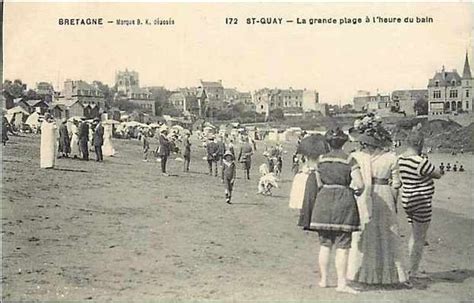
(119, 231)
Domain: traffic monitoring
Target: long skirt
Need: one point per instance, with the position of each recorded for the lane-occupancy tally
(376, 256)
(108, 149)
(48, 145)
(75, 146)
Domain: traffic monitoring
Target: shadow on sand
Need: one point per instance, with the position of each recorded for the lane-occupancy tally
(72, 170)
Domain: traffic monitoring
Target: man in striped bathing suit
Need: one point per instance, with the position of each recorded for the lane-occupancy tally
(417, 175)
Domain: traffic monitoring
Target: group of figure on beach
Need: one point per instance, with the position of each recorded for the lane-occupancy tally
(350, 200)
(73, 141)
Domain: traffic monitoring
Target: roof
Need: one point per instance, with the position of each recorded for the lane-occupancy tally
(66, 103)
(444, 78)
(215, 84)
(466, 73)
(33, 103)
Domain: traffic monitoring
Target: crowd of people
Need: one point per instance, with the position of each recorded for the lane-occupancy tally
(350, 200)
(72, 141)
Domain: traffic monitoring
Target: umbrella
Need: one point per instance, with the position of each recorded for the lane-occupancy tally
(313, 146)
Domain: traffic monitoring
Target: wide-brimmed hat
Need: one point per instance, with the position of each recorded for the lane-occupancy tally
(228, 153)
(313, 146)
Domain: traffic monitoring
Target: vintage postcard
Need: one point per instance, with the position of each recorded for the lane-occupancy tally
(230, 152)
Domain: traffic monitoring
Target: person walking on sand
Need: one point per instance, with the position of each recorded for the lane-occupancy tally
(186, 152)
(98, 140)
(48, 142)
(335, 216)
(417, 176)
(229, 172)
(212, 155)
(245, 156)
(220, 153)
(164, 150)
(84, 139)
(75, 152)
(64, 142)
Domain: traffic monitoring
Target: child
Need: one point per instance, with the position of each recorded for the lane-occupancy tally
(461, 168)
(455, 168)
(267, 180)
(228, 169)
(441, 168)
(448, 167)
(417, 176)
(145, 145)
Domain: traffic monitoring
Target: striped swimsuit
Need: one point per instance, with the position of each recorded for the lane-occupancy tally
(417, 187)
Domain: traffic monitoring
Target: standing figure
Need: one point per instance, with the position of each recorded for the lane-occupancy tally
(448, 167)
(64, 142)
(212, 155)
(229, 173)
(335, 216)
(441, 168)
(455, 167)
(376, 255)
(186, 152)
(164, 150)
(84, 139)
(417, 176)
(75, 152)
(230, 147)
(108, 148)
(145, 146)
(6, 127)
(48, 142)
(245, 156)
(461, 168)
(98, 140)
(220, 153)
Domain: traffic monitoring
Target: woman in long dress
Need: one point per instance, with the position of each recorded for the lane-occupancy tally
(108, 149)
(48, 142)
(376, 256)
(75, 152)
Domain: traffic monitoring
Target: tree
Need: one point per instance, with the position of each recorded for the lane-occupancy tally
(127, 105)
(32, 95)
(12, 90)
(106, 91)
(421, 106)
(276, 115)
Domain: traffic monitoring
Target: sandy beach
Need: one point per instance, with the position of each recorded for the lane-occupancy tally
(119, 231)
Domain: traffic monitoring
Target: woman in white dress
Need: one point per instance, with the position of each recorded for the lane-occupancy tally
(48, 142)
(75, 152)
(108, 148)
(376, 256)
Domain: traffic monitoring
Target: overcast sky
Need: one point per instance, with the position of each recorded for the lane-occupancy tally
(336, 60)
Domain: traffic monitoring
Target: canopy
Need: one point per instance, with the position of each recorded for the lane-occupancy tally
(17, 109)
(34, 120)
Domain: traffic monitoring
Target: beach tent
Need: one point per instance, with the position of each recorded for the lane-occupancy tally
(34, 120)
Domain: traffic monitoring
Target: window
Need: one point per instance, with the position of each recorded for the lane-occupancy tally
(436, 94)
(453, 83)
(437, 84)
(261, 106)
(453, 93)
(467, 104)
(467, 93)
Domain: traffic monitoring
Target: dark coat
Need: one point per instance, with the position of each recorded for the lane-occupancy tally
(186, 147)
(246, 152)
(98, 138)
(84, 132)
(165, 146)
(212, 151)
(64, 142)
(220, 148)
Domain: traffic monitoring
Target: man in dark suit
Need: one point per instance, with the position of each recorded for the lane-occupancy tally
(98, 140)
(212, 154)
(84, 140)
(164, 150)
(245, 155)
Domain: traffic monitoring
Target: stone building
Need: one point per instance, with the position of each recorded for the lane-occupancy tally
(289, 100)
(404, 100)
(366, 102)
(128, 87)
(450, 93)
(215, 93)
(83, 92)
(190, 101)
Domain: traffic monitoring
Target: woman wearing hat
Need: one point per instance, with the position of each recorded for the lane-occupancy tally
(75, 152)
(335, 215)
(64, 142)
(48, 142)
(376, 256)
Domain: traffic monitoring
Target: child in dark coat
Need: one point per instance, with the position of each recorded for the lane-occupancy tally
(228, 171)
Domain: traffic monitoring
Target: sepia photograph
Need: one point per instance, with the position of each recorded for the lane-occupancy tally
(237, 152)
